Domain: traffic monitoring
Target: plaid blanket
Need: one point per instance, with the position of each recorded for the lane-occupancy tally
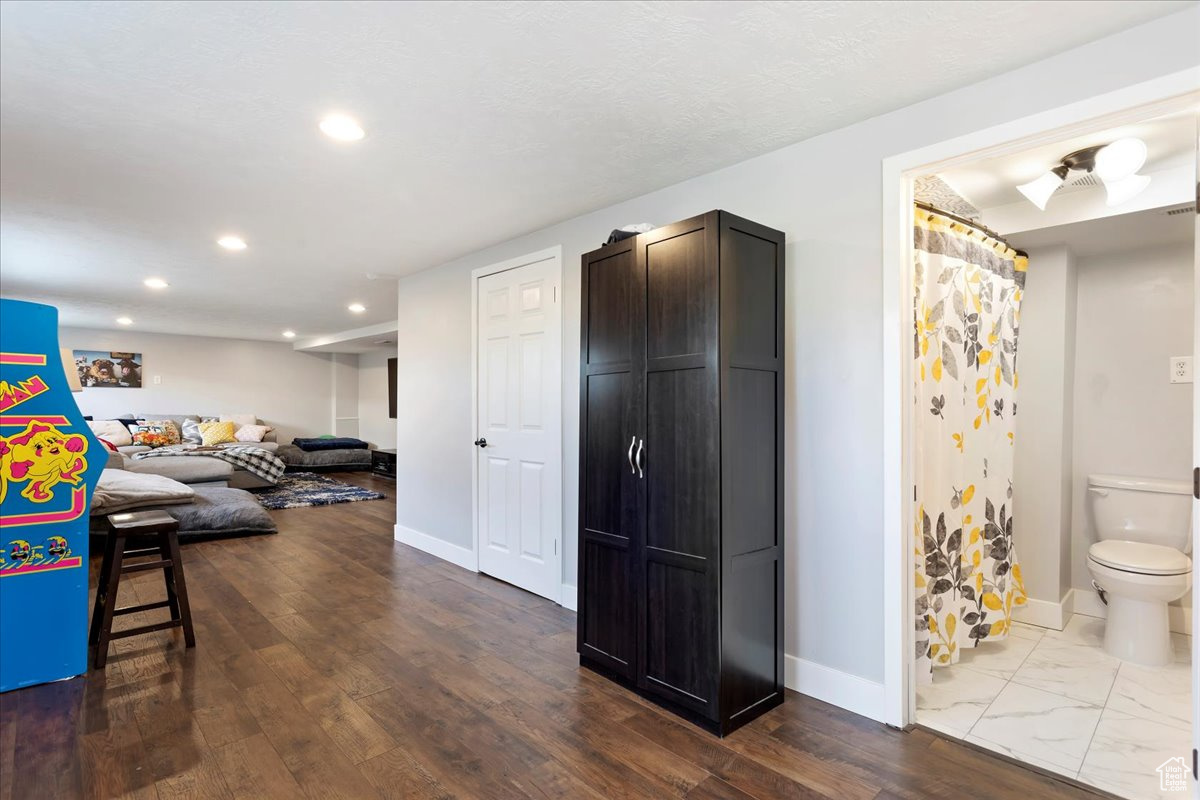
(254, 460)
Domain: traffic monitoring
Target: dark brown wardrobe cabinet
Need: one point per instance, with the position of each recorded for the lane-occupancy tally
(681, 467)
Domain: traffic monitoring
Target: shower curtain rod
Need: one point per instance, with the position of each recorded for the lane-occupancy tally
(976, 225)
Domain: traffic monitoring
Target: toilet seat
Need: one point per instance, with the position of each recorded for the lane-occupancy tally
(1140, 558)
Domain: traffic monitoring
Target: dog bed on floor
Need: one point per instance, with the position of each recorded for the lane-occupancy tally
(303, 489)
(299, 460)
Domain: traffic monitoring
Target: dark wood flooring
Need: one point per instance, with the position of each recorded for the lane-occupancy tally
(334, 662)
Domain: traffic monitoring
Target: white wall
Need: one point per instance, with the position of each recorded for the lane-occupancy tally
(290, 390)
(344, 401)
(1043, 440)
(374, 425)
(1135, 312)
(826, 194)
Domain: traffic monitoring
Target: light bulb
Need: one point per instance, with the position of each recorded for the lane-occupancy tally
(1038, 191)
(1122, 158)
(1124, 190)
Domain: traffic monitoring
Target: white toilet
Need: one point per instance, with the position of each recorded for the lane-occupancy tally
(1139, 561)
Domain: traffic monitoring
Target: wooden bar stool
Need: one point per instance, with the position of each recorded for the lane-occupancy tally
(140, 526)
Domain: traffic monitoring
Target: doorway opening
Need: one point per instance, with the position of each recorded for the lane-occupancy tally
(1040, 469)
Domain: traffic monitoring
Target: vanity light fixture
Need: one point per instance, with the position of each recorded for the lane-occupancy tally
(1115, 164)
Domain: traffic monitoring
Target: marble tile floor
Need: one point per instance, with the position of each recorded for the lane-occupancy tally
(1056, 700)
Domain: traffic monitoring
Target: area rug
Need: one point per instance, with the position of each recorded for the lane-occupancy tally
(301, 489)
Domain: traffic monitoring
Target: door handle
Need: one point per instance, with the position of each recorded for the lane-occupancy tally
(481, 442)
(629, 455)
(638, 458)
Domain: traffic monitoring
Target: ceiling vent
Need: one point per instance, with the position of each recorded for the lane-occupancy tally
(1185, 210)
(1086, 179)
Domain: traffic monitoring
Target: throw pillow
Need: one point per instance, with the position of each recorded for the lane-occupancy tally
(214, 433)
(112, 430)
(239, 420)
(252, 433)
(191, 432)
(156, 433)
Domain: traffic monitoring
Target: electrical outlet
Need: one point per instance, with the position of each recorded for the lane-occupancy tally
(1181, 369)
(158, 378)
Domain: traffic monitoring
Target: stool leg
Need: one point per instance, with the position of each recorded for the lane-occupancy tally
(101, 590)
(110, 600)
(185, 611)
(164, 549)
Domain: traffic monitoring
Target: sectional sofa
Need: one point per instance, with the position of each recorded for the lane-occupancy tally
(191, 470)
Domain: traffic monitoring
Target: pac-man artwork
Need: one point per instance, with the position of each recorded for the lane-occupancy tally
(49, 464)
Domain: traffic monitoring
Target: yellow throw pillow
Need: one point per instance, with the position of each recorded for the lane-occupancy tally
(212, 433)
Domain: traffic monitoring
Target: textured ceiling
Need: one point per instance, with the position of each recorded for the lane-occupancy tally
(132, 134)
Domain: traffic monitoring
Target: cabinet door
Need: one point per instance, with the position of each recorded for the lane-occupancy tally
(680, 556)
(612, 367)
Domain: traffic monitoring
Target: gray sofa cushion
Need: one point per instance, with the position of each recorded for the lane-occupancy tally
(178, 419)
(296, 458)
(185, 469)
(130, 449)
(213, 512)
(221, 512)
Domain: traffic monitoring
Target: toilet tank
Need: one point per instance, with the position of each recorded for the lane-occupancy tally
(1133, 509)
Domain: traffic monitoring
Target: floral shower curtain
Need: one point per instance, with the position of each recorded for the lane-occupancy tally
(967, 311)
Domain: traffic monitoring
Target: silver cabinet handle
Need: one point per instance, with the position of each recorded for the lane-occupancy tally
(638, 457)
(629, 455)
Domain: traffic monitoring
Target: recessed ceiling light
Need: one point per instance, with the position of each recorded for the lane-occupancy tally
(232, 242)
(289, 334)
(357, 308)
(342, 128)
(124, 321)
(156, 283)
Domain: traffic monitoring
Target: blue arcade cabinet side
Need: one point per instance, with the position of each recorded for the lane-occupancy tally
(49, 464)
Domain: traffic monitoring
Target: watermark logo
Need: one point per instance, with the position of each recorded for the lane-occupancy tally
(1172, 775)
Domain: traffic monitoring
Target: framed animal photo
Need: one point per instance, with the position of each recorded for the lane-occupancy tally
(108, 370)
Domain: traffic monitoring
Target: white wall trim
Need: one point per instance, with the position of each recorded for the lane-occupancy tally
(457, 555)
(841, 689)
(1047, 613)
(1088, 603)
(570, 597)
(1167, 94)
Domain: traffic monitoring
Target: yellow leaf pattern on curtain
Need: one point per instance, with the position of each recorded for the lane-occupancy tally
(966, 315)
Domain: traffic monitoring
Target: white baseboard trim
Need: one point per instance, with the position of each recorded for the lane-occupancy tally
(1046, 613)
(833, 686)
(570, 597)
(1088, 603)
(456, 554)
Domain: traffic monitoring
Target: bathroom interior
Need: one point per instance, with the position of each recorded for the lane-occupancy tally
(1053, 546)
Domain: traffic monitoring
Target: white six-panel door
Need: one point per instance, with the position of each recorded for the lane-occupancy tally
(519, 412)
